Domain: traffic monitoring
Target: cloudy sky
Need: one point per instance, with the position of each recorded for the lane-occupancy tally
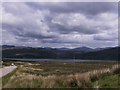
(60, 24)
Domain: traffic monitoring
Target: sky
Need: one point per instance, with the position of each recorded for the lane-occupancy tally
(60, 24)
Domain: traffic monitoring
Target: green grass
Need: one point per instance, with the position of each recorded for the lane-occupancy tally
(110, 81)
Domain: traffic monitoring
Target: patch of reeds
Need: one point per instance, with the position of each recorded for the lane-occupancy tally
(54, 81)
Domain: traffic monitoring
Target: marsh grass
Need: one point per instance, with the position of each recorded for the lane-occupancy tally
(27, 77)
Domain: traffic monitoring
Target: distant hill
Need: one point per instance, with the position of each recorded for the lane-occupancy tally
(104, 54)
(7, 46)
(83, 49)
(61, 53)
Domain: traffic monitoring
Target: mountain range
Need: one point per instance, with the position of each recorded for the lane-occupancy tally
(10, 51)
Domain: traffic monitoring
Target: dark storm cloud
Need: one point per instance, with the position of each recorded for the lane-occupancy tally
(81, 29)
(90, 8)
(20, 31)
(105, 38)
(71, 29)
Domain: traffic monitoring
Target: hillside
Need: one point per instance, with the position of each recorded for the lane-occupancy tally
(106, 54)
(53, 53)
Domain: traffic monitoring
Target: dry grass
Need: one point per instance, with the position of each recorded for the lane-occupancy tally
(53, 81)
(59, 68)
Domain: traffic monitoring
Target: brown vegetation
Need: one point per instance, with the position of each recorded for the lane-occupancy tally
(54, 81)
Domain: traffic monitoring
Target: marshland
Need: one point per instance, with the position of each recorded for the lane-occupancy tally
(62, 75)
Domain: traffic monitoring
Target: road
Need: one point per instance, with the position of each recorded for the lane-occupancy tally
(5, 70)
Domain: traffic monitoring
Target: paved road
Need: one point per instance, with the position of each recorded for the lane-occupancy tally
(5, 70)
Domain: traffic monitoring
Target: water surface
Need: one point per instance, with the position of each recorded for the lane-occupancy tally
(60, 60)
